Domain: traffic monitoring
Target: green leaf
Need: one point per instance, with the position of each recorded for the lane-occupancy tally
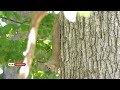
(8, 14)
(46, 41)
(10, 27)
(1, 13)
(24, 27)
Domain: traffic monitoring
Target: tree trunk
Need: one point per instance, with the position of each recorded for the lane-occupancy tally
(90, 47)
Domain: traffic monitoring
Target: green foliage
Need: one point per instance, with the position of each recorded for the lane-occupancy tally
(1, 13)
(43, 75)
(10, 15)
(11, 50)
(85, 13)
(24, 27)
(44, 41)
(17, 16)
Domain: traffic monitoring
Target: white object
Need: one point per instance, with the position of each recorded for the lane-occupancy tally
(2, 23)
(1, 71)
(56, 12)
(70, 15)
(31, 40)
(11, 64)
(24, 70)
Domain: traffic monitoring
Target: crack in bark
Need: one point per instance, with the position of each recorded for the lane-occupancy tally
(93, 44)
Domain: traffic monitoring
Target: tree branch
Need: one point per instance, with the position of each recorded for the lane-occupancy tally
(12, 20)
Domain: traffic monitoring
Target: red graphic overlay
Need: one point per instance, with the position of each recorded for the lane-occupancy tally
(19, 64)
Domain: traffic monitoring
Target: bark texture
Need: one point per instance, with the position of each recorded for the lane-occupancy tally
(90, 47)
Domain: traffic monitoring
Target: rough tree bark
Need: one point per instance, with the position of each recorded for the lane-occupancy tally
(90, 47)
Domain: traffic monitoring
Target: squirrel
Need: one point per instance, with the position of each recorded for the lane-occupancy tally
(54, 62)
(29, 53)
